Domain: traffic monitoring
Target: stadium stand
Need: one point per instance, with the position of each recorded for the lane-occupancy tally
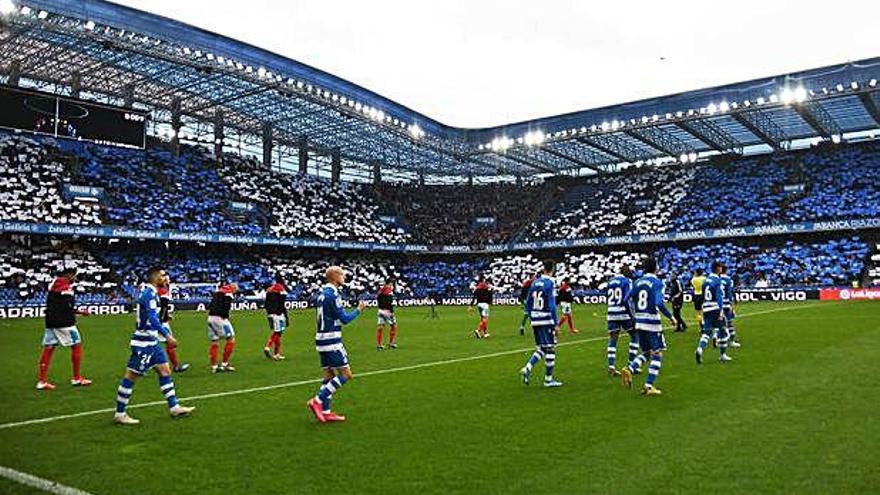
(449, 214)
(29, 264)
(805, 262)
(110, 271)
(154, 190)
(823, 183)
(307, 206)
(32, 176)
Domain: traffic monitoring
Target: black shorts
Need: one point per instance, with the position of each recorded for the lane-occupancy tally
(698, 302)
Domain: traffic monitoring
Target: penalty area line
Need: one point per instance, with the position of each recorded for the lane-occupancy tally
(298, 383)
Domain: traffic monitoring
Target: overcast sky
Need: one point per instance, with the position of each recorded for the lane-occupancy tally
(479, 63)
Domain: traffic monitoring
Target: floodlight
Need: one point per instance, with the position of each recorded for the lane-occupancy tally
(786, 95)
(534, 138)
(42, 15)
(724, 107)
(800, 94)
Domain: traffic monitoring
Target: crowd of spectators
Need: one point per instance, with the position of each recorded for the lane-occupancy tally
(29, 264)
(32, 178)
(194, 192)
(464, 214)
(155, 190)
(307, 206)
(110, 271)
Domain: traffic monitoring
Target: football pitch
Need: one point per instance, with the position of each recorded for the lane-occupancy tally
(796, 412)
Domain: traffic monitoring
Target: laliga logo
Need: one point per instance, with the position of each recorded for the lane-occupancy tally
(844, 294)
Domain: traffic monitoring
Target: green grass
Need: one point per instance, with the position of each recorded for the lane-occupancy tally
(795, 413)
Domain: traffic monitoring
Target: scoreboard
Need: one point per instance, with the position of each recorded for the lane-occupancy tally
(71, 118)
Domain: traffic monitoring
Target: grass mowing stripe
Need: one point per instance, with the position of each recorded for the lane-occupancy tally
(30, 480)
(361, 374)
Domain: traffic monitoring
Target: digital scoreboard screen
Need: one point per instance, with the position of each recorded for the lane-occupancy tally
(65, 117)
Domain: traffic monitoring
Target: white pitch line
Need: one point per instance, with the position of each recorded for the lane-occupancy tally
(264, 388)
(39, 483)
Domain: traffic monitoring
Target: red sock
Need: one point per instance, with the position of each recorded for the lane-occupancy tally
(45, 359)
(172, 355)
(484, 326)
(227, 351)
(277, 343)
(393, 337)
(76, 354)
(570, 323)
(215, 348)
(379, 331)
(271, 341)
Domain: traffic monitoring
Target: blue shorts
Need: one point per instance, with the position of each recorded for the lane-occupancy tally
(334, 359)
(712, 321)
(143, 359)
(545, 335)
(651, 341)
(618, 325)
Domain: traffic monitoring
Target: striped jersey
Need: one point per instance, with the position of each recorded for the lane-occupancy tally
(727, 287)
(330, 318)
(148, 326)
(541, 302)
(618, 291)
(713, 293)
(646, 299)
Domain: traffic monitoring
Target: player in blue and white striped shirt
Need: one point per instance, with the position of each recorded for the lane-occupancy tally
(646, 300)
(146, 353)
(328, 342)
(729, 302)
(620, 317)
(714, 322)
(541, 306)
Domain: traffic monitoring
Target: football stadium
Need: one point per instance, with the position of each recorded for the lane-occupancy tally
(225, 269)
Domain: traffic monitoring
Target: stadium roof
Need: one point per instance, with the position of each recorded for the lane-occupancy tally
(117, 53)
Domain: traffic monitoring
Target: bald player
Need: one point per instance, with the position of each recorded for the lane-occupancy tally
(328, 342)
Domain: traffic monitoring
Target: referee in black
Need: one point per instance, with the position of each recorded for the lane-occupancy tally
(676, 296)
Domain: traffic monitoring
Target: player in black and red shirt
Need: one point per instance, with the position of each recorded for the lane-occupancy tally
(483, 299)
(61, 329)
(219, 327)
(165, 317)
(385, 300)
(523, 295)
(276, 314)
(565, 298)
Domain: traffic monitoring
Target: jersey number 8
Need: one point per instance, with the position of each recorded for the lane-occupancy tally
(642, 303)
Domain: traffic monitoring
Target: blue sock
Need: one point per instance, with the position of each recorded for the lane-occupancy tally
(633, 350)
(612, 351)
(166, 386)
(704, 342)
(549, 362)
(123, 395)
(654, 369)
(637, 363)
(533, 360)
(325, 395)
